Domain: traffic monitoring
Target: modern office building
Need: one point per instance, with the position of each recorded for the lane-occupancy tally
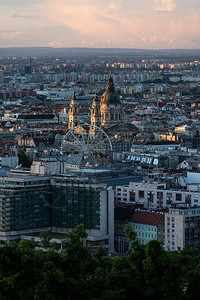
(56, 203)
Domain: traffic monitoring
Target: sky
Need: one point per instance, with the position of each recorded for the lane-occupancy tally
(140, 24)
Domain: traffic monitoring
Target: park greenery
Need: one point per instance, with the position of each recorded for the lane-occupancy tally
(148, 272)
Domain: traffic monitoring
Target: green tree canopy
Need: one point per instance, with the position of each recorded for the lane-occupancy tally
(148, 272)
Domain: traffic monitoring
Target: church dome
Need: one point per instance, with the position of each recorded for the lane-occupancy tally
(110, 96)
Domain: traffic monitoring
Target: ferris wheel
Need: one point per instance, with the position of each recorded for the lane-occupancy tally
(89, 140)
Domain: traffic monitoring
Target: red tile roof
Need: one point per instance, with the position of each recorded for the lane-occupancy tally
(149, 218)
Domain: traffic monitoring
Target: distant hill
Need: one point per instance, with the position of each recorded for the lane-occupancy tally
(49, 51)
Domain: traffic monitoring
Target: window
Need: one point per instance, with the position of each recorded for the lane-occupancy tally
(141, 194)
(169, 195)
(188, 199)
(178, 197)
(160, 195)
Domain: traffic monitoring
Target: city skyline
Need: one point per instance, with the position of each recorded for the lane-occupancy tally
(156, 24)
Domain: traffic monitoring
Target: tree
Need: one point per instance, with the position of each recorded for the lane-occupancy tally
(23, 159)
(45, 239)
(77, 235)
(148, 272)
(130, 234)
(162, 277)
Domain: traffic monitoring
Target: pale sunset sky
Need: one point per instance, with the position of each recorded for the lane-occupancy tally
(146, 24)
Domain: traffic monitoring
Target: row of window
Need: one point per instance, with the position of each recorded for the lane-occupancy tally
(144, 228)
(147, 235)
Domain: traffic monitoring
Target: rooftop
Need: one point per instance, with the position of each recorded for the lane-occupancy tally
(149, 218)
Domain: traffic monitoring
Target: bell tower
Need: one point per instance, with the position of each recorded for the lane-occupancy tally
(73, 112)
(96, 113)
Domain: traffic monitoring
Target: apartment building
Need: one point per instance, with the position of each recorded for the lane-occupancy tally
(156, 195)
(182, 228)
(148, 226)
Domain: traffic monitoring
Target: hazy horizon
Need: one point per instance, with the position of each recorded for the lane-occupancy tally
(80, 51)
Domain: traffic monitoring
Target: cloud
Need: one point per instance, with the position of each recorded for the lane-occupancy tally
(105, 23)
(165, 5)
(37, 37)
(25, 16)
(10, 35)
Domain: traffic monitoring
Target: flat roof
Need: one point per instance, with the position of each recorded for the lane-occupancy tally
(90, 171)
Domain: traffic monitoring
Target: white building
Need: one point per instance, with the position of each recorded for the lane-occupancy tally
(182, 228)
(48, 167)
(155, 195)
(9, 161)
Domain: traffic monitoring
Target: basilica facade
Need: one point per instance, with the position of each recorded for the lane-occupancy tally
(106, 112)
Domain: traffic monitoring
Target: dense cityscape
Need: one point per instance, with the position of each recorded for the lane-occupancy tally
(110, 143)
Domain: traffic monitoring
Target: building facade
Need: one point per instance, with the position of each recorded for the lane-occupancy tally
(155, 195)
(148, 226)
(32, 203)
(182, 228)
(107, 112)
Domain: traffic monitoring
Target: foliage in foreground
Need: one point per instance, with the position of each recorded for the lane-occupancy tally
(147, 273)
